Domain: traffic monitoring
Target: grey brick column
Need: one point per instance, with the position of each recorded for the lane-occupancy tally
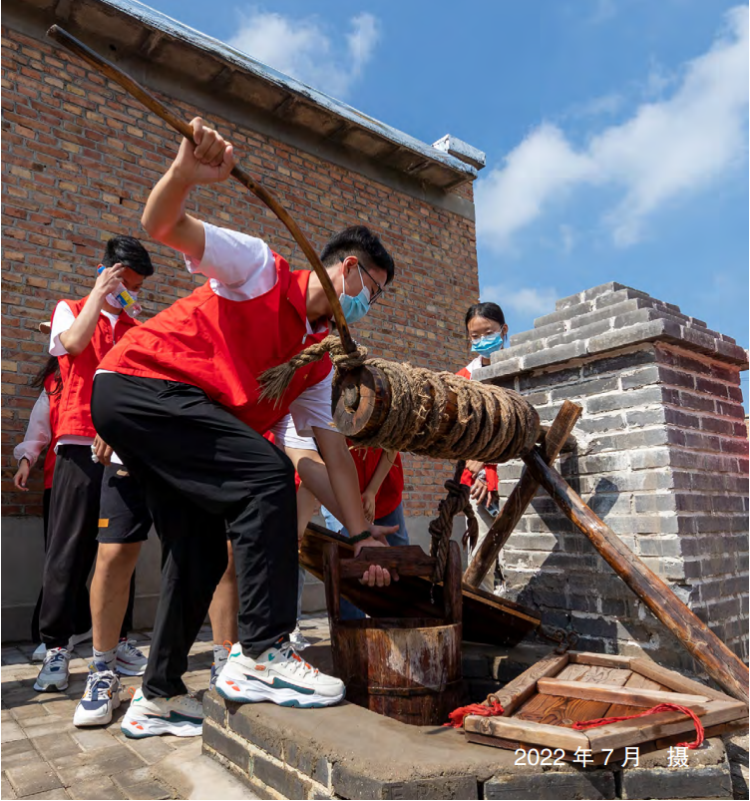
(662, 457)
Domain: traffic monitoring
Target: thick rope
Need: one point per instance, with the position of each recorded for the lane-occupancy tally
(441, 528)
(491, 424)
(456, 718)
(276, 380)
(699, 730)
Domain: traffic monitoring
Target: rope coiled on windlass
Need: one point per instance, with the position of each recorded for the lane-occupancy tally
(489, 424)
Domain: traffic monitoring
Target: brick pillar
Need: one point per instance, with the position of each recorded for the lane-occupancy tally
(662, 457)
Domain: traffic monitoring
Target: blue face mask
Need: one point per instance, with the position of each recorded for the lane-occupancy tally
(355, 307)
(487, 344)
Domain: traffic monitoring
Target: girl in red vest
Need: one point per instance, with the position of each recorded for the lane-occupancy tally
(488, 333)
(179, 400)
(41, 433)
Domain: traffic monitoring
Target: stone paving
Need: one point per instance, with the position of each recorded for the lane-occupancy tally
(45, 756)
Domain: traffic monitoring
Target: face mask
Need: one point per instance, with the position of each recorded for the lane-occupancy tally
(488, 344)
(356, 307)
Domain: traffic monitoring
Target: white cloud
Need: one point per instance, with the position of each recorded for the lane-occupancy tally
(567, 239)
(525, 300)
(665, 151)
(304, 49)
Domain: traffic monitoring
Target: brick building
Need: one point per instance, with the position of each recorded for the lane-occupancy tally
(79, 156)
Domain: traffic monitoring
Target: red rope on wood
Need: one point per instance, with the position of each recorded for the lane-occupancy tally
(699, 732)
(456, 718)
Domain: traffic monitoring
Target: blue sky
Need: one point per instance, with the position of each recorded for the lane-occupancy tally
(615, 130)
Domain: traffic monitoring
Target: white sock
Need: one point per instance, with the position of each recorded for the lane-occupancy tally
(104, 660)
(221, 654)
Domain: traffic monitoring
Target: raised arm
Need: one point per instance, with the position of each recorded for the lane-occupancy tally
(164, 217)
(71, 335)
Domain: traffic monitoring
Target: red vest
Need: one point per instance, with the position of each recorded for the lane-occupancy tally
(490, 470)
(50, 387)
(392, 488)
(78, 373)
(223, 346)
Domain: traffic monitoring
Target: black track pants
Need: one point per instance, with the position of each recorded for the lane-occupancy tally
(70, 549)
(206, 476)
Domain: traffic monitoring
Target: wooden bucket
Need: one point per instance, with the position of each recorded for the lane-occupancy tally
(406, 668)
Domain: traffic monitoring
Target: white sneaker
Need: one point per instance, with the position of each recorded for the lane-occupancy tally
(131, 661)
(298, 640)
(100, 698)
(77, 639)
(39, 653)
(181, 715)
(53, 677)
(278, 675)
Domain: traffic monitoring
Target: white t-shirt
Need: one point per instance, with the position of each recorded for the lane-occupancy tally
(61, 322)
(242, 267)
(474, 365)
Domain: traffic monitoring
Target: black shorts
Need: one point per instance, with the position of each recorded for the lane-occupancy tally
(123, 514)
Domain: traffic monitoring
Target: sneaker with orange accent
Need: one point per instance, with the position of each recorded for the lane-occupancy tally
(181, 715)
(278, 675)
(100, 698)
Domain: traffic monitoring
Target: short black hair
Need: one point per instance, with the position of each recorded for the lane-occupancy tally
(489, 310)
(128, 251)
(359, 241)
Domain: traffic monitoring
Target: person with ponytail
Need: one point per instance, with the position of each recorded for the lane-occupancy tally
(487, 332)
(41, 433)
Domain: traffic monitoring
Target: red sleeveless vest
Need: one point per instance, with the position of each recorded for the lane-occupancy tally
(50, 387)
(78, 373)
(222, 346)
(490, 470)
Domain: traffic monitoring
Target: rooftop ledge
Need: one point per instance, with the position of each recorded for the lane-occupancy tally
(131, 28)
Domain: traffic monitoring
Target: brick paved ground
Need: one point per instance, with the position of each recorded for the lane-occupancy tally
(45, 756)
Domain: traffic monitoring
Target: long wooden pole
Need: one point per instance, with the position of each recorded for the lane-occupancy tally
(107, 68)
(724, 666)
(521, 496)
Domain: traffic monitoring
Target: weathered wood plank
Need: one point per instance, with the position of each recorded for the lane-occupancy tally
(527, 732)
(675, 681)
(637, 681)
(720, 662)
(662, 724)
(565, 711)
(515, 692)
(605, 660)
(623, 695)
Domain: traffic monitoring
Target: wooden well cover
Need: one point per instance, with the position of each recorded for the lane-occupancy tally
(542, 704)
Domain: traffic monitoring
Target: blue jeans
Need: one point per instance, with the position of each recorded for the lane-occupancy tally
(401, 537)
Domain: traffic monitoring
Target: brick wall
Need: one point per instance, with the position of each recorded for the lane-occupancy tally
(662, 457)
(79, 157)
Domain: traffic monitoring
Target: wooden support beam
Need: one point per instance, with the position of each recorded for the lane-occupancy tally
(555, 437)
(724, 666)
(630, 696)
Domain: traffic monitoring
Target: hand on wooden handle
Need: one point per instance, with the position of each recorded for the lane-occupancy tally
(209, 159)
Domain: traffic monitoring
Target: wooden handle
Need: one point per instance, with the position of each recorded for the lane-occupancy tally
(107, 68)
(724, 666)
(406, 560)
